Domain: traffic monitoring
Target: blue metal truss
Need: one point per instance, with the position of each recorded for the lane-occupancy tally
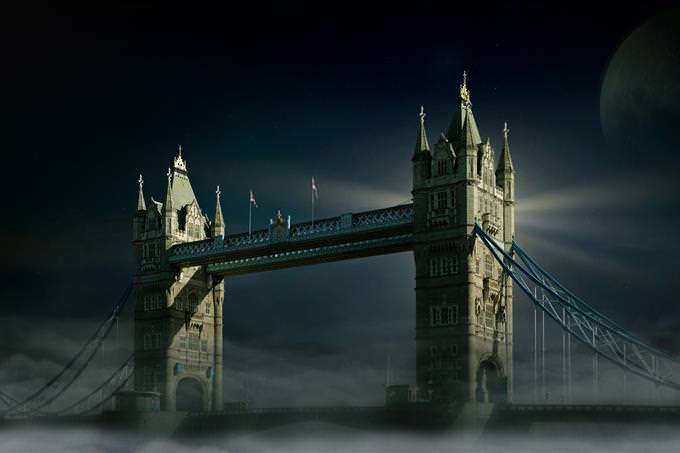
(594, 329)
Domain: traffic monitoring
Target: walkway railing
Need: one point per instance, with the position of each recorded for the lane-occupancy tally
(307, 231)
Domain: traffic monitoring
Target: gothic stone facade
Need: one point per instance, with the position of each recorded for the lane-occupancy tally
(178, 313)
(463, 300)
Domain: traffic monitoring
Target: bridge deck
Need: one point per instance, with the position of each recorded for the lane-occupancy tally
(347, 236)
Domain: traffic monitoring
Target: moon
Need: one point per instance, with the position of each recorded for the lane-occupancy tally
(640, 94)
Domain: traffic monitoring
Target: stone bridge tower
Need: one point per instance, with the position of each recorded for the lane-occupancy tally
(463, 300)
(178, 313)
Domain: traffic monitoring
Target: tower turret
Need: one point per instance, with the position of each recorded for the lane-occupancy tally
(140, 215)
(463, 348)
(505, 173)
(169, 212)
(505, 177)
(218, 224)
(141, 205)
(421, 155)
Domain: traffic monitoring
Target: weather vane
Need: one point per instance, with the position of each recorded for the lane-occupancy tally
(218, 191)
(141, 181)
(422, 113)
(169, 175)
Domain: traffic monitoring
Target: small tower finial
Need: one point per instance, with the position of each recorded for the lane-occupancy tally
(422, 144)
(141, 205)
(464, 93)
(217, 227)
(169, 175)
(506, 131)
(179, 163)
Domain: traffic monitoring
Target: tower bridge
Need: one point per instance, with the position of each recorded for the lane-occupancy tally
(463, 302)
(459, 227)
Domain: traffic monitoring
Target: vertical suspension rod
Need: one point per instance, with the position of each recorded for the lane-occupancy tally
(544, 395)
(535, 359)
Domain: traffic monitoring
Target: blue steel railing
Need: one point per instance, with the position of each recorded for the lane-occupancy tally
(323, 228)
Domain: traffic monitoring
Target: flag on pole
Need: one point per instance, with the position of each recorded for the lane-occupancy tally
(252, 199)
(315, 191)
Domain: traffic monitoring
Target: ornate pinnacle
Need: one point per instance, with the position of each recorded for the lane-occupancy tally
(169, 175)
(179, 163)
(217, 192)
(464, 93)
(141, 205)
(506, 131)
(422, 144)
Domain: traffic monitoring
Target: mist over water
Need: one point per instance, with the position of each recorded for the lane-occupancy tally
(317, 437)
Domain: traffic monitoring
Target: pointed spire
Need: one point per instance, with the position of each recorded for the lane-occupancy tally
(218, 224)
(469, 135)
(422, 145)
(464, 93)
(141, 205)
(463, 114)
(505, 162)
(168, 206)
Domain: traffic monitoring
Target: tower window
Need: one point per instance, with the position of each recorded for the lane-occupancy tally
(193, 302)
(194, 341)
(443, 265)
(443, 356)
(153, 302)
(152, 377)
(488, 264)
(152, 339)
(442, 167)
(443, 315)
(442, 200)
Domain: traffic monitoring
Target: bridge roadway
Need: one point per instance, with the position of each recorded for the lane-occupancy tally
(350, 235)
(511, 418)
(517, 418)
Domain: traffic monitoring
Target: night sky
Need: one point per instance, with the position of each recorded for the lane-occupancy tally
(264, 99)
